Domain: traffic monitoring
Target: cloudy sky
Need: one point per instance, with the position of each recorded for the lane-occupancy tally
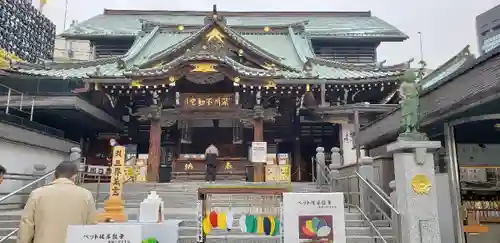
(447, 26)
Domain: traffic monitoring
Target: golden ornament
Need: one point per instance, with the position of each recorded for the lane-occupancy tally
(180, 27)
(204, 67)
(215, 35)
(421, 184)
(267, 29)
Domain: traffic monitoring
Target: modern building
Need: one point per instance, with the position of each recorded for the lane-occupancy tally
(488, 29)
(172, 82)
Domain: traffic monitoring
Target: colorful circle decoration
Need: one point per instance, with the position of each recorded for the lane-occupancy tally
(216, 220)
(316, 227)
(213, 219)
(262, 225)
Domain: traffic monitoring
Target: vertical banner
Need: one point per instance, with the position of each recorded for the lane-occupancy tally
(313, 217)
(199, 221)
(117, 171)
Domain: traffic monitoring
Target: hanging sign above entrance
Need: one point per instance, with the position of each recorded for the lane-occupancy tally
(191, 100)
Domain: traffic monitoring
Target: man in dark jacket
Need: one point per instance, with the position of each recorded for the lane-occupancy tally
(211, 154)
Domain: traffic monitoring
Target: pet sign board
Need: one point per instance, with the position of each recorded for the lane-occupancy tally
(314, 218)
(104, 233)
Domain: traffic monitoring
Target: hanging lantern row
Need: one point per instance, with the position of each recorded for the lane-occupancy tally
(267, 89)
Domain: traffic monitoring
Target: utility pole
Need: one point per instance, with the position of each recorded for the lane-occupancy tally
(421, 46)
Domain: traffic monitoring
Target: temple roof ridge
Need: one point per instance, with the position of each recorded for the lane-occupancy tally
(453, 64)
(53, 65)
(139, 44)
(158, 56)
(149, 24)
(360, 66)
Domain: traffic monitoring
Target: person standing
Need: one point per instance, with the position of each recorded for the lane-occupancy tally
(51, 209)
(211, 154)
(2, 173)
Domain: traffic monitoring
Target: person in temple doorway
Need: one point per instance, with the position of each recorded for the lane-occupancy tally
(211, 154)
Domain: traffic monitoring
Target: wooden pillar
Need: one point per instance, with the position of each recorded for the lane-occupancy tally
(258, 136)
(154, 150)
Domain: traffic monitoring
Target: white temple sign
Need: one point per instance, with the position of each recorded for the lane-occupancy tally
(259, 152)
(101, 233)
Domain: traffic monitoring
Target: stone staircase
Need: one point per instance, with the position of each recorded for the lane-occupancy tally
(180, 202)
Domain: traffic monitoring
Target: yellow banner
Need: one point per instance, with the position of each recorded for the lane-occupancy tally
(278, 173)
(117, 172)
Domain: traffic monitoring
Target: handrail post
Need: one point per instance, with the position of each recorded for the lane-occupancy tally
(8, 101)
(32, 109)
(365, 170)
(21, 102)
(395, 217)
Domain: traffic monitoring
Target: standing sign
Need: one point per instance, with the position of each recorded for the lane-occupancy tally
(117, 172)
(259, 152)
(104, 233)
(314, 217)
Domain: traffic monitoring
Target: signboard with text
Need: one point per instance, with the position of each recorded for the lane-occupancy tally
(259, 152)
(117, 172)
(314, 217)
(192, 100)
(102, 233)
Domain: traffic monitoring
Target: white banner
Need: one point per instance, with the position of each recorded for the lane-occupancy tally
(313, 217)
(102, 233)
(259, 152)
(98, 169)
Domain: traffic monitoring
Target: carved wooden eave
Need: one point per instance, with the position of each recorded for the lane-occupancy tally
(192, 62)
(167, 116)
(225, 36)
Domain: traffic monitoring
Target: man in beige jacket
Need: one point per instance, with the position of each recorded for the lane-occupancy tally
(52, 208)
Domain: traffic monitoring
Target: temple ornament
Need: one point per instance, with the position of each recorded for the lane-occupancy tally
(137, 83)
(420, 184)
(204, 67)
(215, 36)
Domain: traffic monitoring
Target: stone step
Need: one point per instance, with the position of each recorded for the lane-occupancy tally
(349, 223)
(356, 231)
(268, 239)
(255, 239)
(186, 217)
(9, 223)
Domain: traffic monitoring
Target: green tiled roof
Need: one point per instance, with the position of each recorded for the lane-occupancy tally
(433, 79)
(319, 24)
(292, 50)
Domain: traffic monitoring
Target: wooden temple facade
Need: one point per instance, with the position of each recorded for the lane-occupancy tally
(190, 84)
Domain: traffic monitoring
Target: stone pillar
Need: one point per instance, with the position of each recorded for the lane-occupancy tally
(320, 166)
(394, 220)
(154, 152)
(258, 136)
(39, 171)
(75, 156)
(366, 171)
(336, 163)
(416, 191)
